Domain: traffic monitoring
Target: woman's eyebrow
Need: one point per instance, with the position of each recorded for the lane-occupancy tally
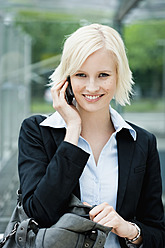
(104, 70)
(81, 71)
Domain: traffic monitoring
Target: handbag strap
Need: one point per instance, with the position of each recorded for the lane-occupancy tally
(19, 196)
(24, 227)
(20, 231)
(5, 238)
(21, 234)
(93, 239)
(100, 240)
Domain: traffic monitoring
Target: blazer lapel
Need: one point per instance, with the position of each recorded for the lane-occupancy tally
(125, 146)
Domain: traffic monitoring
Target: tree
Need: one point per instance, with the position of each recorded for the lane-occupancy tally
(145, 56)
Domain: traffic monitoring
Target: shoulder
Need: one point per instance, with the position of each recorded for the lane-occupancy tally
(145, 139)
(33, 122)
(31, 126)
(34, 119)
(141, 131)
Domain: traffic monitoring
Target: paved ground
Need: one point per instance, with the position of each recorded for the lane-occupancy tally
(9, 176)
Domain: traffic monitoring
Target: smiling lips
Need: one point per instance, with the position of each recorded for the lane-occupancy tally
(92, 98)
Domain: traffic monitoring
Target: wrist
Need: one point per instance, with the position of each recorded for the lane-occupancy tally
(74, 128)
(73, 133)
(135, 233)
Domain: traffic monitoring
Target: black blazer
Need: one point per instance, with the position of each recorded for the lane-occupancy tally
(50, 168)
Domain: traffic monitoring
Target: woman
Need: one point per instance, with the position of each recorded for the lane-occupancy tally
(86, 148)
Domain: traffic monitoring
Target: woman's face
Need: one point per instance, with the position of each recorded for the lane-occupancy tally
(94, 84)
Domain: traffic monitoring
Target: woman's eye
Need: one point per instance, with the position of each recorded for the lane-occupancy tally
(103, 75)
(80, 75)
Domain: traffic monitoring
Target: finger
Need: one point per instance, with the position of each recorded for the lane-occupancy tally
(95, 211)
(105, 219)
(87, 204)
(63, 88)
(59, 84)
(98, 209)
(56, 91)
(58, 95)
(112, 220)
(99, 218)
(109, 224)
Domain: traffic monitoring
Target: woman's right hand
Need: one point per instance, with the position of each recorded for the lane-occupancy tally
(68, 112)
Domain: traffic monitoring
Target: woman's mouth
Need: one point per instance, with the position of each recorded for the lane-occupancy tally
(92, 98)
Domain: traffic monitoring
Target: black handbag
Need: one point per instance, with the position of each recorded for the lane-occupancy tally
(73, 230)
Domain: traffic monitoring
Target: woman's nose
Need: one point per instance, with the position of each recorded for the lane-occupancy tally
(92, 85)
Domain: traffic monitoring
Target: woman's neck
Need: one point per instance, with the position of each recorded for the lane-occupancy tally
(97, 128)
(95, 122)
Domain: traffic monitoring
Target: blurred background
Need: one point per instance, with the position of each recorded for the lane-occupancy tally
(32, 33)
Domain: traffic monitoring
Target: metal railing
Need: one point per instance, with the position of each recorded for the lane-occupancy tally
(15, 56)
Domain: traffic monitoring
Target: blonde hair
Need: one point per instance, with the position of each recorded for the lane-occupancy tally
(87, 40)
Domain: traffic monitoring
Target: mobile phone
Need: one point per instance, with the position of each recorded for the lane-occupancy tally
(69, 92)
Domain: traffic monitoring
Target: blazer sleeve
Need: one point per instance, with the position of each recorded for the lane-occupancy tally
(46, 184)
(150, 213)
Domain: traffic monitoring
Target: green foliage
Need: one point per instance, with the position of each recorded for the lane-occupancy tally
(142, 42)
(48, 28)
(145, 55)
(47, 37)
(65, 15)
(47, 16)
(145, 105)
(38, 105)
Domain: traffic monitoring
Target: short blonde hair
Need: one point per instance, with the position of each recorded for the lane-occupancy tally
(87, 40)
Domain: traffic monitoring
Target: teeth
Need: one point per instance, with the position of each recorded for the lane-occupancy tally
(92, 97)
